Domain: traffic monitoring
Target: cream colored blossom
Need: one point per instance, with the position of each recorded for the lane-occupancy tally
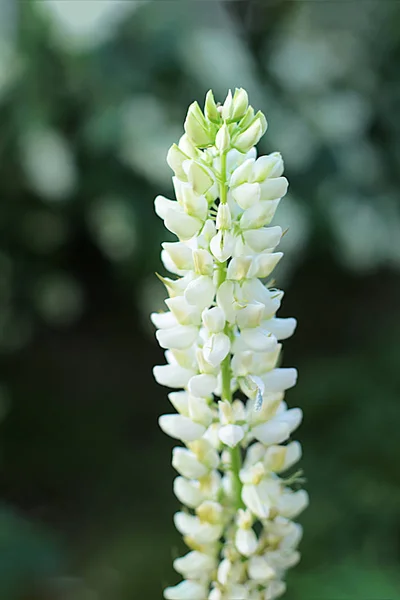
(221, 335)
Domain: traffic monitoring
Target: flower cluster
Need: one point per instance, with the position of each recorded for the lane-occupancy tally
(222, 340)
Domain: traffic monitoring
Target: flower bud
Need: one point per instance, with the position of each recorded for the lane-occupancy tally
(227, 107)
(197, 128)
(240, 104)
(249, 137)
(210, 108)
(247, 118)
(224, 219)
(222, 140)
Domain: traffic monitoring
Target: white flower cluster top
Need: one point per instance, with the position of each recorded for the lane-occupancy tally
(222, 347)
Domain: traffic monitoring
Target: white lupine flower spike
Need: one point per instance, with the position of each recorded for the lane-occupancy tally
(222, 337)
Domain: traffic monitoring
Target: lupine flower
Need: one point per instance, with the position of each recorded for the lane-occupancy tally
(222, 344)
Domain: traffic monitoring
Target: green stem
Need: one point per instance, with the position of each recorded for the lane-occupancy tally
(236, 457)
(223, 185)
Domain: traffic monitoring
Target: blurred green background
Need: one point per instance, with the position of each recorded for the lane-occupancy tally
(92, 93)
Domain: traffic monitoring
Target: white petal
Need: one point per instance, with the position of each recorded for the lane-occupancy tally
(200, 292)
(195, 205)
(222, 245)
(203, 262)
(293, 503)
(258, 215)
(272, 189)
(246, 541)
(275, 590)
(265, 263)
(261, 239)
(292, 418)
(194, 564)
(188, 492)
(293, 455)
(186, 463)
(247, 194)
(203, 533)
(163, 320)
(216, 348)
(259, 569)
(279, 380)
(239, 267)
(242, 173)
(270, 165)
(180, 254)
(213, 319)
(198, 176)
(199, 411)
(186, 590)
(172, 376)
(181, 428)
(179, 337)
(231, 435)
(180, 401)
(252, 499)
(238, 592)
(250, 316)
(224, 570)
(225, 300)
(202, 385)
(258, 339)
(183, 225)
(162, 205)
(271, 432)
(281, 328)
(184, 313)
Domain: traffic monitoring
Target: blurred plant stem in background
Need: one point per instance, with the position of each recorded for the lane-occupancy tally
(91, 93)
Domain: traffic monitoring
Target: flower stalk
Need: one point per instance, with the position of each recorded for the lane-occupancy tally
(222, 340)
